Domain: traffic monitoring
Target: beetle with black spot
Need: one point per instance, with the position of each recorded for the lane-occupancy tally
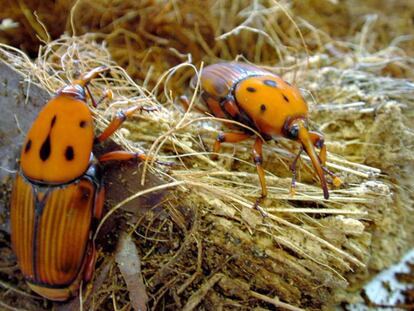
(58, 193)
(267, 104)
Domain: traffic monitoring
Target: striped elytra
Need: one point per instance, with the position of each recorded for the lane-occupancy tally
(51, 231)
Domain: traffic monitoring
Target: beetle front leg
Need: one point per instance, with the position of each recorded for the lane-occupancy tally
(227, 138)
(319, 142)
(258, 160)
(107, 94)
(293, 169)
(118, 120)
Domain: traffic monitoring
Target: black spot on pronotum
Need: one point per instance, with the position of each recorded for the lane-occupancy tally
(52, 123)
(45, 149)
(285, 97)
(251, 89)
(28, 146)
(263, 108)
(270, 83)
(69, 154)
(83, 123)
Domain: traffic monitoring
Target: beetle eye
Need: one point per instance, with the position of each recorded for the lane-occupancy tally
(293, 132)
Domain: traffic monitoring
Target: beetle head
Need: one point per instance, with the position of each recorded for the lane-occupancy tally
(77, 88)
(74, 90)
(297, 130)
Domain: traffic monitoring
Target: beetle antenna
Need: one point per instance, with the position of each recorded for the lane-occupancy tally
(310, 150)
(87, 77)
(94, 104)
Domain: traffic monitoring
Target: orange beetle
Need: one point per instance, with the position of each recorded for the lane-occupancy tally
(58, 194)
(266, 103)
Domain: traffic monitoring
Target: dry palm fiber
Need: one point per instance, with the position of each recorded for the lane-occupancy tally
(148, 37)
(204, 246)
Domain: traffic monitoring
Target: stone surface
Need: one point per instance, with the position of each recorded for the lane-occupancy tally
(20, 101)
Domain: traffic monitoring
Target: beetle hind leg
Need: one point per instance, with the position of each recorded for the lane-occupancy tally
(292, 191)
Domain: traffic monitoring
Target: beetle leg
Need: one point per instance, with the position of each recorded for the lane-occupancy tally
(214, 106)
(230, 106)
(107, 94)
(126, 155)
(319, 142)
(91, 251)
(227, 138)
(120, 117)
(185, 102)
(258, 160)
(89, 262)
(99, 203)
(293, 169)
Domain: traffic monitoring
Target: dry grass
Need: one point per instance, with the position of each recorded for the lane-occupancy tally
(203, 246)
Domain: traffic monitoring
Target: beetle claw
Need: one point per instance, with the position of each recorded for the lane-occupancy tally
(257, 207)
(337, 182)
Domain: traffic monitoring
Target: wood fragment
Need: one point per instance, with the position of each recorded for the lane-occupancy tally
(129, 264)
(199, 295)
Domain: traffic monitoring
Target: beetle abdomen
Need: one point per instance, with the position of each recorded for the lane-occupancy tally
(50, 230)
(219, 79)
